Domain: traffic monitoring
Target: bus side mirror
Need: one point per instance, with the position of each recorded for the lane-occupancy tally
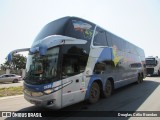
(33, 50)
(43, 50)
(9, 57)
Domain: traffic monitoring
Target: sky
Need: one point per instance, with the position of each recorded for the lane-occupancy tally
(137, 21)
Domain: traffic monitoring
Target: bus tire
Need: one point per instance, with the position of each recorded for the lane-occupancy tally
(142, 77)
(139, 79)
(94, 93)
(158, 73)
(108, 89)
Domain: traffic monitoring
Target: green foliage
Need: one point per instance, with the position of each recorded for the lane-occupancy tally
(18, 62)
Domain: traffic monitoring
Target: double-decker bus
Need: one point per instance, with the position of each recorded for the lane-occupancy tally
(72, 60)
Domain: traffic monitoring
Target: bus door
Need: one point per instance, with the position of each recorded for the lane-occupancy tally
(73, 82)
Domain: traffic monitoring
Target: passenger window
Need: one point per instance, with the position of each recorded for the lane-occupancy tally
(99, 68)
(7, 76)
(127, 48)
(100, 38)
(118, 42)
(109, 39)
(136, 65)
(72, 65)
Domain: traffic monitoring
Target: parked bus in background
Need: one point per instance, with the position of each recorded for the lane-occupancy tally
(153, 65)
(72, 60)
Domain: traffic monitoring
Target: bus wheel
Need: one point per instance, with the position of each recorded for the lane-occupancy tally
(142, 77)
(158, 73)
(94, 93)
(139, 79)
(108, 89)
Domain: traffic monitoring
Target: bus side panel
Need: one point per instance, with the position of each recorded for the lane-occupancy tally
(74, 89)
(99, 59)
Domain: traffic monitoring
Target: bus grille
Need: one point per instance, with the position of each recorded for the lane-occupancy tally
(150, 70)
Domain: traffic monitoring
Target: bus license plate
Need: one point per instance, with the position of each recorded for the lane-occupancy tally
(35, 102)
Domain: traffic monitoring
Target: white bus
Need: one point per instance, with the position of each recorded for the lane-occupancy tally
(73, 60)
(153, 65)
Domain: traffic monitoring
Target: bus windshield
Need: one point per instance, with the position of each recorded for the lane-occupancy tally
(42, 69)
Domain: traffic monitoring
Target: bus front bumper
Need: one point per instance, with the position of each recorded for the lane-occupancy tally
(47, 101)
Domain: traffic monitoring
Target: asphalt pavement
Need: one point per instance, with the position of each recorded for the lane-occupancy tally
(134, 97)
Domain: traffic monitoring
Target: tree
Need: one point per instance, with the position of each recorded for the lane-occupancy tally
(18, 62)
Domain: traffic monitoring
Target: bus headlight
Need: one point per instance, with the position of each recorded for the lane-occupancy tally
(36, 94)
(31, 93)
(48, 91)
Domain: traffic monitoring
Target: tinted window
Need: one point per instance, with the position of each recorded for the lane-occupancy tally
(7, 76)
(100, 38)
(74, 60)
(72, 65)
(118, 42)
(12, 75)
(53, 28)
(136, 65)
(68, 26)
(109, 39)
(141, 52)
(127, 47)
(123, 45)
(79, 29)
(132, 48)
(99, 67)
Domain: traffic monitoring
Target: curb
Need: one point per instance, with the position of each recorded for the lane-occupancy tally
(8, 97)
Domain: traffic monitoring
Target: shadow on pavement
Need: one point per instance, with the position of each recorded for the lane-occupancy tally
(125, 99)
